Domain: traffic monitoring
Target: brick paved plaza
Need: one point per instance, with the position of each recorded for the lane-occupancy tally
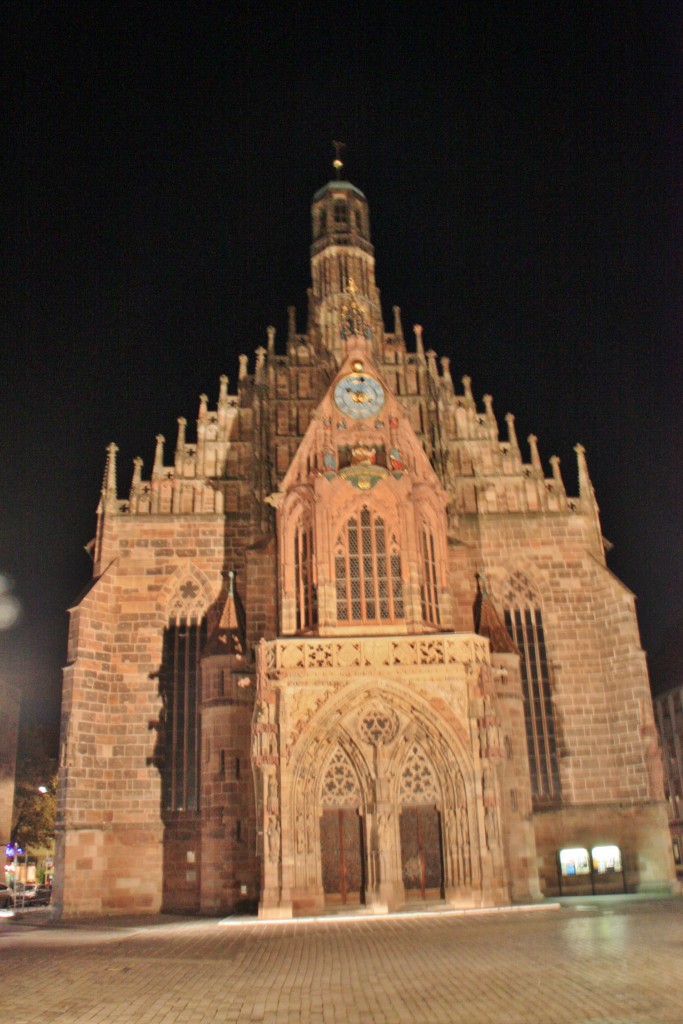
(613, 960)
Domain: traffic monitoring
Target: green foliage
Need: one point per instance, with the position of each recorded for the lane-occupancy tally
(33, 821)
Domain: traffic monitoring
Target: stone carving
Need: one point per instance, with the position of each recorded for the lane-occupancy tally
(303, 705)
(376, 652)
(491, 825)
(273, 799)
(519, 590)
(294, 656)
(418, 785)
(273, 839)
(264, 737)
(340, 783)
(379, 725)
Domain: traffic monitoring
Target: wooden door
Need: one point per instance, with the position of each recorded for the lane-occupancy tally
(341, 848)
(421, 852)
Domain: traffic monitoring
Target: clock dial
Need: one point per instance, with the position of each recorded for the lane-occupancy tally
(359, 396)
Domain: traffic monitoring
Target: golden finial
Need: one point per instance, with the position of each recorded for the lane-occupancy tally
(338, 163)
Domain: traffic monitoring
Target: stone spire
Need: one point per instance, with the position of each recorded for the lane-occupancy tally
(557, 474)
(586, 492)
(419, 347)
(158, 468)
(587, 501)
(446, 371)
(535, 457)
(228, 636)
(487, 621)
(180, 444)
(398, 326)
(136, 482)
(512, 433)
(109, 490)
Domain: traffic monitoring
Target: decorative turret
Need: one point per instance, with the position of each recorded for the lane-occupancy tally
(228, 636)
(487, 621)
(587, 501)
(109, 493)
(512, 433)
(535, 457)
(158, 468)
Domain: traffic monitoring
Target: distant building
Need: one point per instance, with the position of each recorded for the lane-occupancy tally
(350, 646)
(10, 706)
(669, 716)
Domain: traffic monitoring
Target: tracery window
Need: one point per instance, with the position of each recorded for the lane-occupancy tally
(418, 785)
(429, 589)
(183, 642)
(304, 578)
(524, 623)
(340, 783)
(368, 571)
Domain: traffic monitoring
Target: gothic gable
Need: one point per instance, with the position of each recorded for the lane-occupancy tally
(360, 503)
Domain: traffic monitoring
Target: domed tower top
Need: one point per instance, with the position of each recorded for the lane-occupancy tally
(341, 256)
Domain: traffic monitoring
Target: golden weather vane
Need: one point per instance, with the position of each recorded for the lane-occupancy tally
(338, 163)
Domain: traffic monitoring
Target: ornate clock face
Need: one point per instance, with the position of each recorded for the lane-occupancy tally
(359, 395)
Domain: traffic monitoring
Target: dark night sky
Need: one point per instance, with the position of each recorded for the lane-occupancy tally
(520, 164)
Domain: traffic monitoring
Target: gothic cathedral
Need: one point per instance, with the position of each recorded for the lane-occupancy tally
(349, 649)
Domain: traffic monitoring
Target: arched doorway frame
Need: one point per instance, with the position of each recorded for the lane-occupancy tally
(336, 723)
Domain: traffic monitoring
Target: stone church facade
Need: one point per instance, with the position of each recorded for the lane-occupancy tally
(348, 647)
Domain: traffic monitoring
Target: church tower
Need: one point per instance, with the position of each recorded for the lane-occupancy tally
(342, 258)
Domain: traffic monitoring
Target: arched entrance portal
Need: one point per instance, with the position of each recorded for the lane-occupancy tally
(342, 847)
(381, 809)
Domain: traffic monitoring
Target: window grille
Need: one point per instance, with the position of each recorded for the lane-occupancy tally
(306, 593)
(369, 584)
(525, 626)
(183, 643)
(429, 591)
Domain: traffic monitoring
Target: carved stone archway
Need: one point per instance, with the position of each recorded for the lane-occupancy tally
(378, 746)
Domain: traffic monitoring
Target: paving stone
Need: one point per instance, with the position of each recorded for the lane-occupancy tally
(604, 962)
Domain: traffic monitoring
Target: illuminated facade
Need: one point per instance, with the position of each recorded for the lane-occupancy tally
(349, 646)
(669, 718)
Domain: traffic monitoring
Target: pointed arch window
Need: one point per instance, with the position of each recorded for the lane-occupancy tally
(183, 642)
(524, 623)
(304, 577)
(429, 589)
(368, 577)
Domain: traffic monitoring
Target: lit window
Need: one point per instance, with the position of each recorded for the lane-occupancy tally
(368, 572)
(574, 862)
(606, 860)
